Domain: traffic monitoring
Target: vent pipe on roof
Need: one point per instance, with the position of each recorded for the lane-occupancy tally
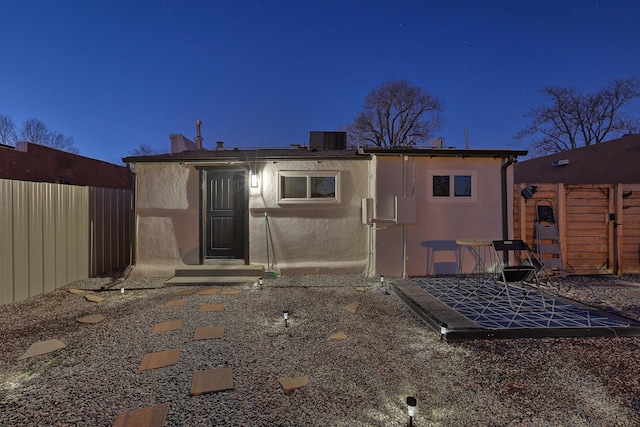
(198, 137)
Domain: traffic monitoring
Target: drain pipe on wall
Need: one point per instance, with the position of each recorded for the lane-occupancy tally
(404, 226)
(505, 196)
(133, 256)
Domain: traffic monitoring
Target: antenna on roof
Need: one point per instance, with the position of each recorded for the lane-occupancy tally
(466, 138)
(198, 137)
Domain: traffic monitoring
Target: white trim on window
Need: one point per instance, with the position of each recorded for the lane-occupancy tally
(451, 198)
(318, 187)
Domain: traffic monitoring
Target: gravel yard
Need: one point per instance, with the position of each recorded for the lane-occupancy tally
(361, 381)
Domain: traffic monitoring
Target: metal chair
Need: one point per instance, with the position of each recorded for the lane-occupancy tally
(517, 264)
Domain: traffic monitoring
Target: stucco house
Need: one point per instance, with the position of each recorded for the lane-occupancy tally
(394, 212)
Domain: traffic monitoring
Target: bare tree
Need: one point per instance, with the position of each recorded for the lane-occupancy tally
(36, 132)
(8, 134)
(396, 114)
(144, 150)
(575, 119)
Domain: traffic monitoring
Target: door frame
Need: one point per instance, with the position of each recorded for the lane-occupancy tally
(204, 187)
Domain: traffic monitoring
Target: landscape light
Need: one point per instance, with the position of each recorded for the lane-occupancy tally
(382, 280)
(411, 405)
(260, 282)
(286, 316)
(443, 330)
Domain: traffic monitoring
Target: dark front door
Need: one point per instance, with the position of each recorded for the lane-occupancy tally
(225, 215)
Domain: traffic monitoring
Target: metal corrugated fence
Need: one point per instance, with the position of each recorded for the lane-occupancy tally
(46, 235)
(110, 213)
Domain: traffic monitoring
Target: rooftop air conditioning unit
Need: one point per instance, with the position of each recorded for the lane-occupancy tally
(436, 142)
(328, 140)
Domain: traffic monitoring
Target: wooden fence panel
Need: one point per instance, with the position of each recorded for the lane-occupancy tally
(588, 234)
(629, 225)
(599, 225)
(524, 210)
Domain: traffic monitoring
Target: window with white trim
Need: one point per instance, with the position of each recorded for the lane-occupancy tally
(308, 187)
(453, 186)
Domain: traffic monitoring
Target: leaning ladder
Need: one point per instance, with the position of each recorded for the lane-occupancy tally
(547, 237)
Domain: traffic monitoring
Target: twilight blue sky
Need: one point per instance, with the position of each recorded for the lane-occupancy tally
(119, 73)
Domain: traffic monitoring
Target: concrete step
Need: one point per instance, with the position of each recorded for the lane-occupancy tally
(219, 270)
(211, 280)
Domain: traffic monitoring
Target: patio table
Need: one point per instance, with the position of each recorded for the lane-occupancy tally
(481, 249)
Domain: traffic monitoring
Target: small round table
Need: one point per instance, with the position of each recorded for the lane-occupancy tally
(480, 249)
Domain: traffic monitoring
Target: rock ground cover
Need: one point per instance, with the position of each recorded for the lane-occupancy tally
(362, 380)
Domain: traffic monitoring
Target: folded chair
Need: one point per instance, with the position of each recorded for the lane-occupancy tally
(517, 264)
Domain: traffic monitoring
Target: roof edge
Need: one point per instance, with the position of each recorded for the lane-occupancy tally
(206, 156)
(446, 152)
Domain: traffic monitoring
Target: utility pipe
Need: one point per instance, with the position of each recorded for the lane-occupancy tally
(505, 199)
(133, 256)
(404, 226)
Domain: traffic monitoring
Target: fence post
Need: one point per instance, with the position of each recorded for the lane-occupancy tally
(618, 230)
(561, 203)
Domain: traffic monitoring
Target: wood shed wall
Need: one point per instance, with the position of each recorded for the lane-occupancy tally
(599, 225)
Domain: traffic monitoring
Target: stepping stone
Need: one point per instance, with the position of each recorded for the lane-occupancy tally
(160, 359)
(360, 289)
(171, 325)
(151, 416)
(213, 380)
(340, 336)
(210, 291)
(76, 291)
(292, 383)
(93, 298)
(353, 307)
(188, 291)
(177, 302)
(230, 292)
(211, 307)
(631, 294)
(208, 333)
(42, 347)
(92, 318)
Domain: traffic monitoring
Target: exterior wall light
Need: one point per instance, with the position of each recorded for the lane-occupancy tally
(529, 191)
(411, 406)
(254, 179)
(285, 314)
